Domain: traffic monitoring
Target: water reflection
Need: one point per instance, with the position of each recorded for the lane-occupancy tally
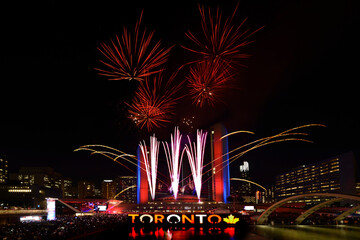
(308, 232)
(179, 233)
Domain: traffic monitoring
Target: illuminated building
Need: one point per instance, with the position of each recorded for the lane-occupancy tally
(220, 164)
(3, 170)
(32, 185)
(108, 189)
(40, 176)
(357, 188)
(245, 188)
(123, 183)
(142, 191)
(241, 190)
(85, 189)
(13, 195)
(67, 188)
(44, 177)
(26, 196)
(335, 174)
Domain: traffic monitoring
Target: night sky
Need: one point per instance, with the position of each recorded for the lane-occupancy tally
(303, 69)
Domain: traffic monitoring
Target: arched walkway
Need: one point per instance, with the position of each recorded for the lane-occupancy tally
(347, 213)
(310, 211)
(264, 216)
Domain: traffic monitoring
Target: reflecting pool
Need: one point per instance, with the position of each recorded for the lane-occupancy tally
(240, 232)
(308, 232)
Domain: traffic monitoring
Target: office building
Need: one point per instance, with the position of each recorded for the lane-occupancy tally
(336, 174)
(108, 189)
(126, 188)
(86, 189)
(3, 169)
(67, 188)
(40, 176)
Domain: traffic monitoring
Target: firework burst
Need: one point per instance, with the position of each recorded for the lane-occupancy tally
(207, 82)
(132, 56)
(223, 41)
(153, 104)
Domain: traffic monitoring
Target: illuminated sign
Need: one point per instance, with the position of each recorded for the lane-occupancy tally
(50, 203)
(249, 208)
(102, 207)
(30, 218)
(182, 218)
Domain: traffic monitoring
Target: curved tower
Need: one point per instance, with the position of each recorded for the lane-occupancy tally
(220, 164)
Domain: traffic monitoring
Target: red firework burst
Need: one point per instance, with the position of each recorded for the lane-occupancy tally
(207, 82)
(153, 104)
(223, 41)
(132, 56)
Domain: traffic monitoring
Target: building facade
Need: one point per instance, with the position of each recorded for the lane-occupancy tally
(86, 189)
(41, 176)
(220, 164)
(108, 189)
(3, 169)
(241, 191)
(336, 174)
(67, 188)
(126, 189)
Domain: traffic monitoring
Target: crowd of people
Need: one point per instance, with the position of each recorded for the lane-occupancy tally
(61, 228)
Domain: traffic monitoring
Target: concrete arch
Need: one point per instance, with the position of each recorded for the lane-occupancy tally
(264, 216)
(347, 213)
(310, 211)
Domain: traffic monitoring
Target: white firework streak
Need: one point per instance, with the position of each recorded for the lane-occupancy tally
(174, 160)
(195, 155)
(151, 166)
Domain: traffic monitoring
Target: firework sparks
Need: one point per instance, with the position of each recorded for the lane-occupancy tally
(174, 160)
(207, 81)
(153, 104)
(151, 162)
(195, 155)
(224, 41)
(132, 56)
(285, 136)
(110, 153)
(116, 155)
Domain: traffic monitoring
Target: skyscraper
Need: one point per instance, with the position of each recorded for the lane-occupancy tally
(126, 185)
(108, 189)
(220, 163)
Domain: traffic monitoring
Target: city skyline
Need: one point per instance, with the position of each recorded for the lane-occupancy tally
(301, 71)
